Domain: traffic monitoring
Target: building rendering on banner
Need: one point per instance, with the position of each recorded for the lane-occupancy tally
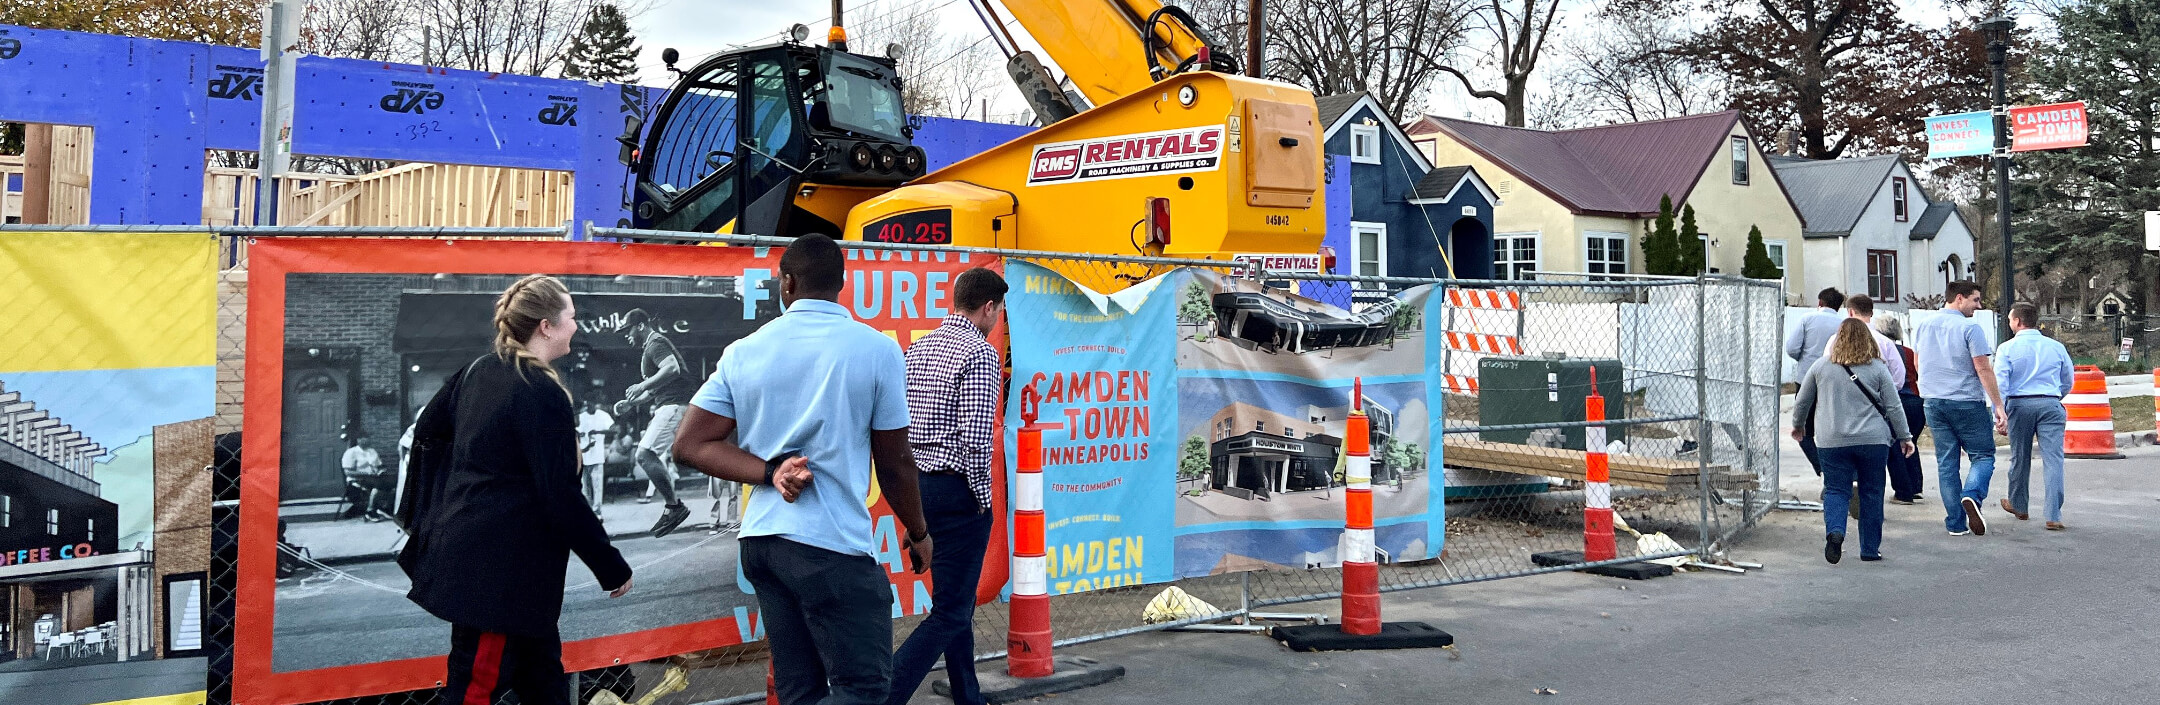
(1257, 453)
(68, 594)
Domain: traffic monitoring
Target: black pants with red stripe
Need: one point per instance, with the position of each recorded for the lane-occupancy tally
(483, 664)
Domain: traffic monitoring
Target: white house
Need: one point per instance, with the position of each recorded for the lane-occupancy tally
(1871, 229)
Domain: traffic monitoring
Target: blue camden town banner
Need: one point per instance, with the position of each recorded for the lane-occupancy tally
(1197, 420)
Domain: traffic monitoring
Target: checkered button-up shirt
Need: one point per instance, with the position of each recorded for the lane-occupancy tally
(954, 381)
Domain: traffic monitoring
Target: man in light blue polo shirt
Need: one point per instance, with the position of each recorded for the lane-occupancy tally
(1805, 346)
(1958, 382)
(2035, 373)
(814, 397)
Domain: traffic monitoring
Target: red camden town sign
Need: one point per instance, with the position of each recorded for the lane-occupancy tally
(2057, 126)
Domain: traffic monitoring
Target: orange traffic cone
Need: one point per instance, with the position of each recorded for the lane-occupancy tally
(2090, 432)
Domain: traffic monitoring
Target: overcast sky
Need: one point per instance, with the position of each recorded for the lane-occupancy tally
(700, 27)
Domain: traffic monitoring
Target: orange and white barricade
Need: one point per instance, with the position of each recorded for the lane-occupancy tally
(2090, 432)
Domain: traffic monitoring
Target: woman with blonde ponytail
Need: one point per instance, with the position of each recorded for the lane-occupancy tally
(498, 507)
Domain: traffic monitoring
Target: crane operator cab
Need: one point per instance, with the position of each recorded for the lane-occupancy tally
(772, 140)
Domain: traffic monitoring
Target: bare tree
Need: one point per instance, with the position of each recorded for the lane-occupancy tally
(375, 30)
(1391, 49)
(969, 75)
(941, 74)
(915, 29)
(1622, 70)
(1518, 36)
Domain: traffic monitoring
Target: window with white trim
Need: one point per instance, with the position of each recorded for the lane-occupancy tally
(7, 511)
(1515, 255)
(52, 522)
(1365, 144)
(90, 530)
(1897, 198)
(1882, 275)
(1740, 161)
(1368, 251)
(1604, 253)
(1776, 249)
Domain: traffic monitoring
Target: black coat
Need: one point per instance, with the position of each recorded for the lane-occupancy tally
(494, 506)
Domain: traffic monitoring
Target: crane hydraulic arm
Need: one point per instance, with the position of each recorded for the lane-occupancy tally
(1103, 48)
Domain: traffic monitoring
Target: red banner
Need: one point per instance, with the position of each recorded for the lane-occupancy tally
(2038, 127)
(348, 338)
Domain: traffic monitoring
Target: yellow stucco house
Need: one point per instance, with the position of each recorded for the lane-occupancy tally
(1579, 200)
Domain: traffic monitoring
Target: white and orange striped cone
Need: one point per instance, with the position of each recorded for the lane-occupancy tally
(1360, 574)
(2090, 431)
(1028, 638)
(1361, 627)
(2156, 405)
(1598, 542)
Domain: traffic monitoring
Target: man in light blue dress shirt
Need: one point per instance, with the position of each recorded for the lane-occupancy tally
(1806, 346)
(2035, 374)
(1958, 381)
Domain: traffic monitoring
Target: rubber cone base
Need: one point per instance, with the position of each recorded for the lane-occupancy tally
(1393, 635)
(1632, 571)
(1072, 673)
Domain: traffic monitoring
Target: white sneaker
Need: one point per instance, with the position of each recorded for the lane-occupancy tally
(1959, 533)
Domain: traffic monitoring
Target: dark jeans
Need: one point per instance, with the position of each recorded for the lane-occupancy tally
(484, 664)
(1906, 481)
(1807, 447)
(961, 532)
(844, 656)
(1843, 467)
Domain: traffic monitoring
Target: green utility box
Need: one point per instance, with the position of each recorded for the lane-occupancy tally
(1545, 389)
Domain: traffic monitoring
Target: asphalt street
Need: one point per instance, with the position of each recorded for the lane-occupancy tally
(685, 577)
(2021, 615)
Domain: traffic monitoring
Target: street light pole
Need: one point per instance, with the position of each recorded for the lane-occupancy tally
(1997, 29)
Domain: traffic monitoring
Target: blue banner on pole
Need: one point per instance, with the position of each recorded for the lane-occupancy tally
(1961, 135)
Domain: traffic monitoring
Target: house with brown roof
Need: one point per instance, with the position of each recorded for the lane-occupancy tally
(1580, 200)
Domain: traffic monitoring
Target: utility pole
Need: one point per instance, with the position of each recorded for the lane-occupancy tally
(1255, 52)
(274, 153)
(1997, 29)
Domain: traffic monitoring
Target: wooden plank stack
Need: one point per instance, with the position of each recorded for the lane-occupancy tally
(1627, 470)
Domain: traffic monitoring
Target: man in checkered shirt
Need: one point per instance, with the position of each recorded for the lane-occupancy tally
(954, 385)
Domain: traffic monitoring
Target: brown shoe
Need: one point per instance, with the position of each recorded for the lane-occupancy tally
(2055, 526)
(2013, 512)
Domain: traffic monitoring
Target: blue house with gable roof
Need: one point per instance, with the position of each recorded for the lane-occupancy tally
(1407, 217)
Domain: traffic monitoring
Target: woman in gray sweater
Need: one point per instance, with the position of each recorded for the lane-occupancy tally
(1857, 419)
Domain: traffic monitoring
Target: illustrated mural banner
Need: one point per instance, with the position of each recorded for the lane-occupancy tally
(348, 339)
(107, 383)
(1197, 424)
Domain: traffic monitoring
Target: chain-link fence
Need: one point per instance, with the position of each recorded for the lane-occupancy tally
(2100, 339)
(1687, 369)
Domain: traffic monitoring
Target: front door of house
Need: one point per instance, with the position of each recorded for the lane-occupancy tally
(316, 409)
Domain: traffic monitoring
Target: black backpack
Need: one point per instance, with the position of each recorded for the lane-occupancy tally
(427, 469)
